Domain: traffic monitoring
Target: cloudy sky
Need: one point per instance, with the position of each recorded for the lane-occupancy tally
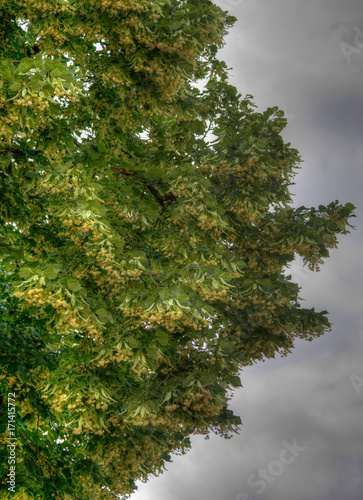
(302, 433)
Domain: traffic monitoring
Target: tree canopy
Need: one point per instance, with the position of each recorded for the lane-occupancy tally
(146, 228)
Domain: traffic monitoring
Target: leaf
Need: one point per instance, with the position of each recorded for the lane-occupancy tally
(162, 337)
(118, 241)
(350, 206)
(26, 272)
(261, 145)
(103, 315)
(152, 352)
(167, 396)
(207, 378)
(16, 86)
(164, 294)
(209, 309)
(235, 381)
(227, 346)
(133, 342)
(73, 284)
(35, 84)
(25, 65)
(266, 283)
(31, 175)
(120, 377)
(51, 271)
(98, 208)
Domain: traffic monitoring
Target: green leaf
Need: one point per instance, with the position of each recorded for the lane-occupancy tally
(167, 396)
(227, 346)
(133, 342)
(16, 86)
(152, 352)
(208, 378)
(51, 271)
(265, 283)
(26, 272)
(235, 381)
(73, 284)
(120, 377)
(350, 206)
(102, 147)
(25, 65)
(118, 241)
(162, 337)
(261, 145)
(103, 315)
(35, 84)
(164, 294)
(31, 175)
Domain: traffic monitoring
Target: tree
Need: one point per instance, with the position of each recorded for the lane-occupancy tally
(146, 231)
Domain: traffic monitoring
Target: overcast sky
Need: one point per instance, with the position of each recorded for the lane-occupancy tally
(302, 433)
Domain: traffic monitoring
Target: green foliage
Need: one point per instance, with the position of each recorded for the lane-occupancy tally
(145, 229)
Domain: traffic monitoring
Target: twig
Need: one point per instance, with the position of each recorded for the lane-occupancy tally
(152, 279)
(36, 444)
(208, 130)
(36, 451)
(22, 43)
(70, 269)
(162, 382)
(36, 439)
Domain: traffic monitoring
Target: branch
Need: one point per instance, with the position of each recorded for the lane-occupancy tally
(208, 130)
(36, 465)
(152, 279)
(70, 269)
(16, 151)
(22, 43)
(36, 439)
(163, 381)
(36, 451)
(40, 457)
(163, 201)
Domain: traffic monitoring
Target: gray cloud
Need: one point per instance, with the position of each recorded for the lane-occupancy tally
(288, 53)
(313, 403)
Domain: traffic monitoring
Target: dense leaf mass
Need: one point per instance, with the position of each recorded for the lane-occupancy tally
(146, 229)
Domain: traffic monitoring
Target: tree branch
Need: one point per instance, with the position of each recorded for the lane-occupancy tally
(36, 439)
(40, 457)
(70, 269)
(15, 151)
(163, 201)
